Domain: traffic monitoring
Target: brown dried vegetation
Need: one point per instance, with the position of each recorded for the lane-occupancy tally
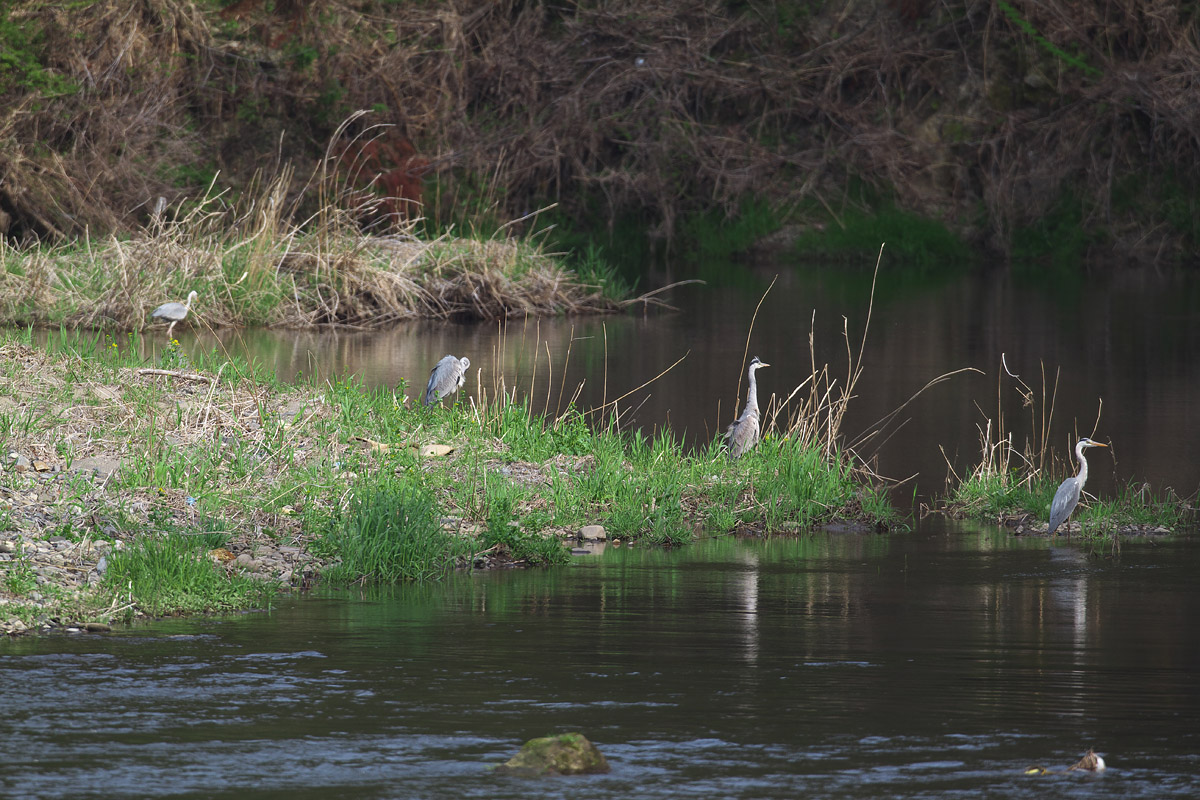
(298, 281)
(657, 109)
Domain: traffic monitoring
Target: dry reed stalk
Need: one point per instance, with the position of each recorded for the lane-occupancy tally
(999, 456)
(749, 333)
(817, 420)
(566, 367)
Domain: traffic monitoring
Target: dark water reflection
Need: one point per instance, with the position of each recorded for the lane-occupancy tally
(1127, 344)
(933, 664)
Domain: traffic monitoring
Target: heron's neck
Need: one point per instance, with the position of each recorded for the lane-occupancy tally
(752, 393)
(1082, 465)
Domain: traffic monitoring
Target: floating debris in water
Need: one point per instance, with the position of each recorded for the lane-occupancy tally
(1090, 763)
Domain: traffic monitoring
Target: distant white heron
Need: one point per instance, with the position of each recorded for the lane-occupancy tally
(175, 312)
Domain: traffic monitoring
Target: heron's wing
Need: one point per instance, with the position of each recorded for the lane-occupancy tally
(431, 388)
(1065, 500)
(742, 434)
(444, 378)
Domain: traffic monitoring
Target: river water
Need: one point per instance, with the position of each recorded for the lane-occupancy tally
(936, 663)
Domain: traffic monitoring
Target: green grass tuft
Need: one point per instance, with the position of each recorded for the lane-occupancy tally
(391, 533)
(994, 495)
(173, 574)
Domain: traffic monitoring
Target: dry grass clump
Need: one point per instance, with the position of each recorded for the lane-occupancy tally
(1004, 464)
(475, 278)
(256, 257)
(251, 267)
(120, 282)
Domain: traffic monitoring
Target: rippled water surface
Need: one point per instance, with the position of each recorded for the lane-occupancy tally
(938, 663)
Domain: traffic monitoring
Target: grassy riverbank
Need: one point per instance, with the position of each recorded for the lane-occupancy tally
(1020, 500)
(1051, 131)
(1015, 485)
(200, 483)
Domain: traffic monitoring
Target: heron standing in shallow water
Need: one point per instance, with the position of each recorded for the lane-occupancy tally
(1067, 496)
(446, 377)
(742, 435)
(175, 312)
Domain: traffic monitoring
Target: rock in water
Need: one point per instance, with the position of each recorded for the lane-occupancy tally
(593, 533)
(565, 754)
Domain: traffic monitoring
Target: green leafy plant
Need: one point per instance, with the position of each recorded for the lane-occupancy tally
(172, 573)
(390, 533)
(21, 45)
(19, 577)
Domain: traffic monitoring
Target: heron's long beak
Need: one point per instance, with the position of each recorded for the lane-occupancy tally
(763, 364)
(1097, 444)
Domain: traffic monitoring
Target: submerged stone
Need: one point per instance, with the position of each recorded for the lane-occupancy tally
(565, 754)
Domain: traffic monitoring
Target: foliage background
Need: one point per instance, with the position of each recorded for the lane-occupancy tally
(1055, 128)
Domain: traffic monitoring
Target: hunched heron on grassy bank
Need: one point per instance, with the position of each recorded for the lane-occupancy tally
(446, 377)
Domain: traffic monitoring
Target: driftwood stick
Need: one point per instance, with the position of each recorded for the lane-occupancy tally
(173, 373)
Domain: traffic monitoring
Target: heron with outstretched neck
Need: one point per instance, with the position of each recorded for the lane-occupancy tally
(743, 434)
(1067, 496)
(175, 312)
(446, 377)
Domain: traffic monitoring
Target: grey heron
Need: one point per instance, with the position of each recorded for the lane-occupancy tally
(175, 312)
(446, 377)
(742, 434)
(1067, 496)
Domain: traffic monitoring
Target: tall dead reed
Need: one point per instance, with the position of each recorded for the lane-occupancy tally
(1004, 462)
(814, 412)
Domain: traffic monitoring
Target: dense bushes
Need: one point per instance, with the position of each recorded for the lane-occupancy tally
(985, 115)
